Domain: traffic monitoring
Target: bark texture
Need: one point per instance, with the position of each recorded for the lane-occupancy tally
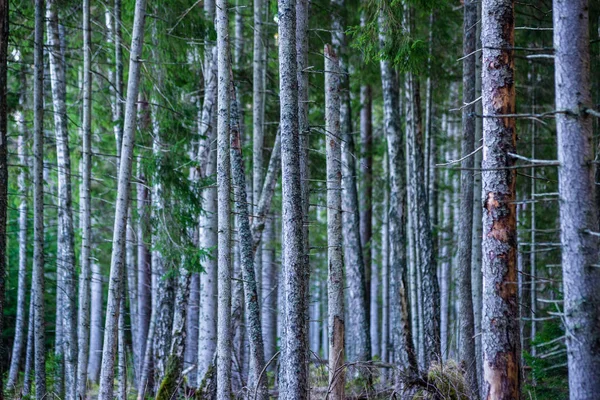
(335, 260)
(120, 227)
(359, 349)
(38, 204)
(65, 236)
(19, 340)
(578, 214)
(3, 166)
(500, 325)
(224, 331)
(83, 334)
(399, 320)
(465, 226)
(253, 324)
(293, 376)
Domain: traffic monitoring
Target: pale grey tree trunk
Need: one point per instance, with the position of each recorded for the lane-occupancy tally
(359, 349)
(119, 233)
(366, 214)
(466, 321)
(29, 352)
(37, 286)
(385, 262)
(83, 334)
(500, 325)
(269, 291)
(427, 269)
(293, 379)
(143, 385)
(96, 324)
(445, 247)
(4, 29)
(578, 213)
(207, 312)
(19, 339)
(192, 323)
(173, 380)
(399, 319)
(302, 48)
(258, 99)
(252, 305)
(122, 351)
(335, 259)
(224, 332)
(65, 245)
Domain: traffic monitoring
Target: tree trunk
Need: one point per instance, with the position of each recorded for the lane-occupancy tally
(335, 260)
(144, 260)
(476, 275)
(253, 323)
(302, 49)
(366, 213)
(427, 270)
(38, 204)
(293, 376)
(4, 28)
(29, 352)
(385, 262)
(269, 292)
(96, 324)
(500, 325)
(173, 378)
(359, 349)
(578, 214)
(466, 321)
(65, 245)
(119, 234)
(19, 340)
(85, 209)
(207, 154)
(224, 332)
(399, 320)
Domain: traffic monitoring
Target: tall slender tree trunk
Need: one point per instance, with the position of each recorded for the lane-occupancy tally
(366, 213)
(3, 165)
(359, 349)
(302, 48)
(477, 276)
(119, 234)
(578, 214)
(19, 340)
(253, 323)
(224, 331)
(83, 333)
(29, 352)
(293, 369)
(465, 225)
(96, 324)
(445, 248)
(500, 325)
(65, 246)
(335, 260)
(207, 330)
(269, 291)
(38, 204)
(399, 320)
(385, 262)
